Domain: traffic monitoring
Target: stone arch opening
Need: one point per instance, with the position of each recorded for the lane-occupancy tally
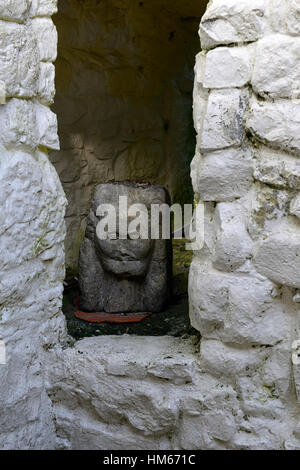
(124, 81)
(124, 86)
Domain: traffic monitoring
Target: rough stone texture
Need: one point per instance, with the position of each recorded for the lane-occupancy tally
(14, 9)
(277, 67)
(222, 125)
(124, 78)
(232, 22)
(244, 283)
(114, 393)
(285, 16)
(32, 217)
(242, 390)
(31, 239)
(27, 123)
(278, 258)
(276, 124)
(227, 67)
(124, 275)
(224, 175)
(155, 400)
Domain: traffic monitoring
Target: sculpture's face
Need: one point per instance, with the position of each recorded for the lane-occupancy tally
(128, 258)
(125, 258)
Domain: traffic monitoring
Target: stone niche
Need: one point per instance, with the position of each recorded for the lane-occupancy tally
(124, 81)
(125, 275)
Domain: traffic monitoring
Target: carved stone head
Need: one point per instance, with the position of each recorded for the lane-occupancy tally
(124, 275)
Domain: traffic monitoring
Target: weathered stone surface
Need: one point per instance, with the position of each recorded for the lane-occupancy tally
(18, 122)
(200, 67)
(2, 93)
(285, 16)
(226, 360)
(293, 16)
(46, 83)
(30, 207)
(224, 175)
(13, 9)
(278, 258)
(199, 106)
(32, 221)
(232, 22)
(277, 169)
(235, 308)
(222, 127)
(295, 206)
(277, 67)
(124, 275)
(47, 127)
(210, 415)
(227, 67)
(195, 165)
(31, 239)
(276, 124)
(24, 122)
(46, 36)
(103, 393)
(43, 7)
(19, 59)
(233, 243)
(117, 391)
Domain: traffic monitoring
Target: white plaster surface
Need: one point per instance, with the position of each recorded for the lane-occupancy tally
(237, 388)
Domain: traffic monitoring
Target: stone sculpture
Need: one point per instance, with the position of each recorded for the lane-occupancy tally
(124, 275)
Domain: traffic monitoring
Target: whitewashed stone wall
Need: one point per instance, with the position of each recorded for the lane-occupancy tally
(238, 389)
(32, 222)
(244, 283)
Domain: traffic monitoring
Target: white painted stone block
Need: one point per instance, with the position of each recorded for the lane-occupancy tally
(235, 308)
(233, 244)
(2, 352)
(195, 165)
(276, 124)
(126, 389)
(293, 16)
(223, 122)
(200, 65)
(295, 206)
(225, 360)
(25, 204)
(261, 401)
(14, 9)
(277, 67)
(224, 175)
(19, 61)
(2, 93)
(277, 368)
(230, 21)
(46, 83)
(286, 16)
(278, 258)
(46, 36)
(210, 415)
(43, 8)
(227, 67)
(18, 123)
(200, 97)
(47, 127)
(26, 123)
